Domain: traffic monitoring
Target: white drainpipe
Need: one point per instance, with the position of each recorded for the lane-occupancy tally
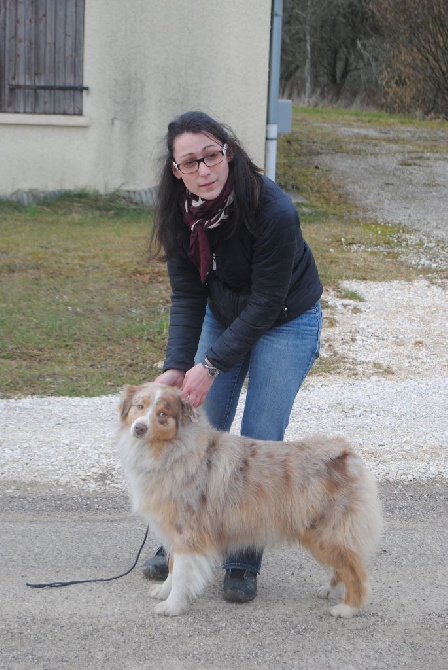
(273, 90)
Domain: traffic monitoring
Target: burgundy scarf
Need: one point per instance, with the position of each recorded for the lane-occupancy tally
(202, 215)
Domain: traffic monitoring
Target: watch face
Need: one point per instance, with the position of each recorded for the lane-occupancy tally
(212, 371)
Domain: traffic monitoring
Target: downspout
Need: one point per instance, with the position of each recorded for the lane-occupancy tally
(273, 88)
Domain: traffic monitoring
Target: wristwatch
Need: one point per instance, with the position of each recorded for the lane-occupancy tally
(212, 371)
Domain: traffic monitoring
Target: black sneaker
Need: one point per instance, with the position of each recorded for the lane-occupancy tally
(240, 586)
(157, 566)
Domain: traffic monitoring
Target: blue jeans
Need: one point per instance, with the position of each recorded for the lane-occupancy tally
(276, 367)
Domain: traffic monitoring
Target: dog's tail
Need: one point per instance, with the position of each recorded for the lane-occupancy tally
(359, 511)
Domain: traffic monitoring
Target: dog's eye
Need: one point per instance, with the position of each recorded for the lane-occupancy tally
(162, 415)
(140, 406)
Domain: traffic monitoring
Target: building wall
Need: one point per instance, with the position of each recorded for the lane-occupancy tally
(145, 62)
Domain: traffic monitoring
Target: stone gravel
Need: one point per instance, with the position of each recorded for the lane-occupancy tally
(392, 405)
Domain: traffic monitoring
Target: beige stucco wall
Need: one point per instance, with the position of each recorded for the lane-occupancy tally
(145, 62)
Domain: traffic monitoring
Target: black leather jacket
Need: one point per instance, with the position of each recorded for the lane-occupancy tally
(257, 282)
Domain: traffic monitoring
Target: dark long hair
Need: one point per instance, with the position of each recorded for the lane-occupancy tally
(168, 229)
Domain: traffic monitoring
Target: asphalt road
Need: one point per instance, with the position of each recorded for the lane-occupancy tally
(48, 535)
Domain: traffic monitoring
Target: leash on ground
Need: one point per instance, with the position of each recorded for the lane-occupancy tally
(88, 581)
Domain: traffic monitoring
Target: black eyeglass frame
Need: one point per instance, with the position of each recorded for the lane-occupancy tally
(222, 151)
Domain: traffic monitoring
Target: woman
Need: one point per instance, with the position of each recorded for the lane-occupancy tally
(245, 292)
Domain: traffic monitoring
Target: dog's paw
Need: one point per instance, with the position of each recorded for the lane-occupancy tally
(344, 611)
(168, 609)
(159, 591)
(328, 592)
(324, 592)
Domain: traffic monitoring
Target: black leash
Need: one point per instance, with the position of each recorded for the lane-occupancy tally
(88, 581)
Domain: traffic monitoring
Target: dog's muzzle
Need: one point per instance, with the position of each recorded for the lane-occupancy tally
(139, 429)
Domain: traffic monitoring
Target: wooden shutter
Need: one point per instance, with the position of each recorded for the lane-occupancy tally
(41, 56)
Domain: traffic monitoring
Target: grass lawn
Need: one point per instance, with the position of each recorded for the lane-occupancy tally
(83, 312)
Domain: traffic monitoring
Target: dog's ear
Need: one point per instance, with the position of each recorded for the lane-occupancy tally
(127, 394)
(188, 412)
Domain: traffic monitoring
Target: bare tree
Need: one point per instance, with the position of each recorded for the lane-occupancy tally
(415, 62)
(308, 69)
(321, 45)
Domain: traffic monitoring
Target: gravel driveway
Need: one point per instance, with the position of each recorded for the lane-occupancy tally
(398, 176)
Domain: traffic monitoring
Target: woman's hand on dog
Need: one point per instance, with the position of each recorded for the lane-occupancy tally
(197, 383)
(171, 378)
(194, 384)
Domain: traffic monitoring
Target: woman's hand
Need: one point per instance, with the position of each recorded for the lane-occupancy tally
(171, 378)
(197, 383)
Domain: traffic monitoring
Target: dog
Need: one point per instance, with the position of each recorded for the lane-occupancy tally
(207, 493)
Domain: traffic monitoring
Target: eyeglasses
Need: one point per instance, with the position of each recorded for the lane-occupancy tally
(210, 159)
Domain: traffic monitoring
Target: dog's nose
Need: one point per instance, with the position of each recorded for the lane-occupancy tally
(140, 429)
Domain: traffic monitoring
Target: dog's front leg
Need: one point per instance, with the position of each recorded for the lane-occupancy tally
(190, 575)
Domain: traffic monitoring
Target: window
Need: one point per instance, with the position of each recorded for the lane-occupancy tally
(41, 56)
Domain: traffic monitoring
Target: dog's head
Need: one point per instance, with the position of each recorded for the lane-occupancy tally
(154, 411)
